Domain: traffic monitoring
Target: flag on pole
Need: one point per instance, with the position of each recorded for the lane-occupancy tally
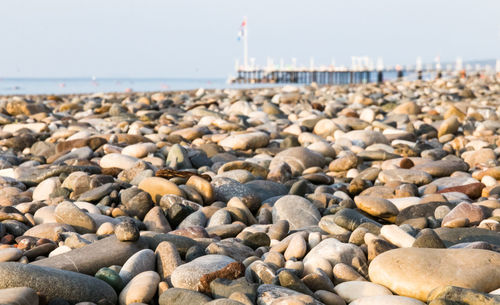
(241, 32)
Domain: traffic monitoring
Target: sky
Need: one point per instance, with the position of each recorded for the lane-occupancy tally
(198, 38)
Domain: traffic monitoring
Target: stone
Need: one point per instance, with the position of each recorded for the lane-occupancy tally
(54, 283)
(365, 138)
(289, 280)
(141, 261)
(179, 296)
(97, 193)
(345, 162)
(374, 206)
(10, 254)
(139, 150)
(414, 176)
(245, 141)
(298, 158)
(386, 299)
(45, 189)
(329, 298)
(351, 219)
(473, 213)
(188, 275)
(442, 168)
(224, 288)
(428, 239)
(448, 126)
(254, 168)
(336, 252)
(297, 248)
(203, 187)
(68, 213)
(227, 188)
(91, 258)
(271, 294)
(49, 230)
(461, 295)
(141, 289)
(266, 189)
(298, 211)
(318, 280)
(111, 277)
(231, 248)
(167, 259)
(156, 221)
(177, 158)
(455, 236)
(472, 190)
(397, 236)
(126, 231)
(344, 273)
(115, 160)
(415, 272)
(19, 296)
(353, 290)
(157, 187)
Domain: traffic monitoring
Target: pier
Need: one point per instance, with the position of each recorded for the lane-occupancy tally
(344, 76)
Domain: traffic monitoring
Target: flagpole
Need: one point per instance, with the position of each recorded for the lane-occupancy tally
(245, 44)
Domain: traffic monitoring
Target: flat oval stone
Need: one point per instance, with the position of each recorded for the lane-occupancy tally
(68, 213)
(115, 160)
(353, 290)
(157, 187)
(298, 211)
(245, 141)
(55, 283)
(442, 168)
(385, 300)
(139, 150)
(188, 275)
(141, 289)
(414, 176)
(376, 206)
(415, 272)
(141, 261)
(10, 254)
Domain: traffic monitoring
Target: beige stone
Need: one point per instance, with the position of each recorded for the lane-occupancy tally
(414, 272)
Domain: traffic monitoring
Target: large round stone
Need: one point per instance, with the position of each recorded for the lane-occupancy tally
(298, 211)
(414, 272)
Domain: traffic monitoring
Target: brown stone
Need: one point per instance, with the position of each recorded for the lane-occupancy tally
(472, 190)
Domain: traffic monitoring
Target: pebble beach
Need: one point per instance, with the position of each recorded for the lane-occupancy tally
(369, 194)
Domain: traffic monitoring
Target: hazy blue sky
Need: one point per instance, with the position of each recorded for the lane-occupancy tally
(196, 39)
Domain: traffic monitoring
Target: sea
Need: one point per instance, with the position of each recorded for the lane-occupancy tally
(58, 86)
(22, 86)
